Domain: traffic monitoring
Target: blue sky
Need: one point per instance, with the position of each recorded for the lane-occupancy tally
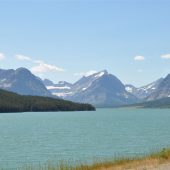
(62, 40)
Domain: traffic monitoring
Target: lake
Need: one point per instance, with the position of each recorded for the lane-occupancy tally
(33, 138)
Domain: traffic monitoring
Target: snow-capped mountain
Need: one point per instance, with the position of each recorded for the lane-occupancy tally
(61, 89)
(162, 91)
(144, 91)
(100, 89)
(22, 81)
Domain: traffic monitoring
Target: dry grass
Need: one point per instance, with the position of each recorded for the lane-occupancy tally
(143, 163)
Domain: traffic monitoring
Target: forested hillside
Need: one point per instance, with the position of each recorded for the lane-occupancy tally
(12, 102)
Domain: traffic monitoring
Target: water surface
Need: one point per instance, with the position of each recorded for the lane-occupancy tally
(33, 138)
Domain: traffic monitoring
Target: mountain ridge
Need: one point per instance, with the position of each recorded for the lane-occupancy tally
(23, 82)
(100, 89)
(163, 89)
(143, 91)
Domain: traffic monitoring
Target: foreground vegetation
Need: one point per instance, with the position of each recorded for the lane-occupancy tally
(149, 162)
(12, 102)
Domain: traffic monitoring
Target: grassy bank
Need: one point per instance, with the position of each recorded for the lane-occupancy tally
(142, 163)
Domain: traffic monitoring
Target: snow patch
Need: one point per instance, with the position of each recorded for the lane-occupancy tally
(129, 89)
(55, 87)
(62, 94)
(6, 85)
(99, 75)
(2, 80)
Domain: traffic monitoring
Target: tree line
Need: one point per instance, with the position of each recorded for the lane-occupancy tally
(12, 102)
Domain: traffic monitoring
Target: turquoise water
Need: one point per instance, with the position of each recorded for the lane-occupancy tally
(33, 138)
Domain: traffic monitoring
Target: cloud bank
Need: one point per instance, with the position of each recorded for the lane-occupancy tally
(41, 66)
(166, 56)
(139, 58)
(22, 57)
(2, 56)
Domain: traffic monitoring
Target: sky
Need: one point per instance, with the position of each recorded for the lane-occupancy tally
(64, 40)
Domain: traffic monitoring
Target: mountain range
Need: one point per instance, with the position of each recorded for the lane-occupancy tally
(101, 89)
(156, 90)
(158, 103)
(23, 82)
(144, 91)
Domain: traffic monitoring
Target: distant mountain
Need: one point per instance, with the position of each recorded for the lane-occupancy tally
(100, 89)
(22, 81)
(162, 91)
(12, 102)
(48, 82)
(159, 103)
(144, 91)
(61, 89)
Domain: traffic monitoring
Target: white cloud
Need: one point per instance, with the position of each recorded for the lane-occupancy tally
(38, 61)
(44, 68)
(40, 67)
(88, 73)
(22, 57)
(2, 56)
(139, 70)
(166, 56)
(139, 58)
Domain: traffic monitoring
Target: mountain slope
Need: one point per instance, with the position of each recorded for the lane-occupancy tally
(162, 91)
(100, 89)
(159, 103)
(61, 89)
(12, 102)
(22, 81)
(144, 91)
